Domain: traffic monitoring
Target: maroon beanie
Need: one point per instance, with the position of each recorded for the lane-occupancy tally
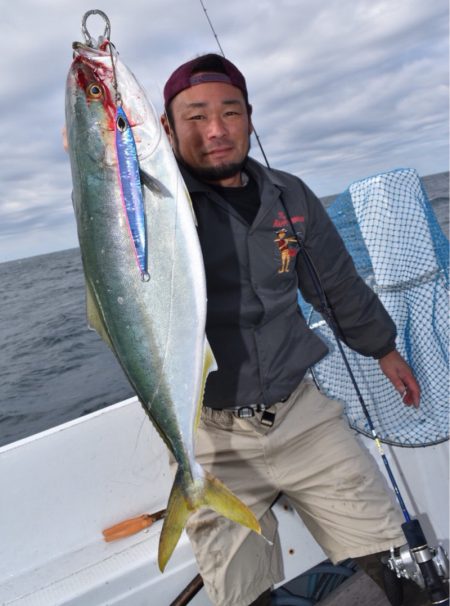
(206, 68)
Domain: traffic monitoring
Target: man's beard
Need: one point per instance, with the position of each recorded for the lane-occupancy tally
(215, 173)
(211, 174)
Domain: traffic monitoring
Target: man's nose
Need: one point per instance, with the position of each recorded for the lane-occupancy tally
(216, 127)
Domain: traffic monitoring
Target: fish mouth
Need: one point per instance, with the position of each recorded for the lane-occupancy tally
(90, 50)
(95, 57)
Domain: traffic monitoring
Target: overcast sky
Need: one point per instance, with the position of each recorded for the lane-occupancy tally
(341, 89)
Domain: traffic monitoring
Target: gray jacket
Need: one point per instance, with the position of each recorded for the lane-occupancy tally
(257, 332)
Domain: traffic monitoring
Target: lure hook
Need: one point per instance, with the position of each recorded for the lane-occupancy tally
(118, 96)
(101, 39)
(87, 36)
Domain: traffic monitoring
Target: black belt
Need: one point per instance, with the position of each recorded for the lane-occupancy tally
(249, 410)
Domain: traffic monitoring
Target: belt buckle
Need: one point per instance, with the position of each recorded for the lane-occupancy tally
(267, 418)
(244, 412)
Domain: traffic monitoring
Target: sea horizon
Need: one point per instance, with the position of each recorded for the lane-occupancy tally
(326, 201)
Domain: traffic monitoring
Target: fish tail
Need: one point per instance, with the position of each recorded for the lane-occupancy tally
(213, 495)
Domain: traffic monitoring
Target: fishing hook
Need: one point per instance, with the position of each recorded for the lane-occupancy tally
(118, 96)
(87, 35)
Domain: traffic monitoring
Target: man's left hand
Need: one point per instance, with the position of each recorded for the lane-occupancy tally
(400, 375)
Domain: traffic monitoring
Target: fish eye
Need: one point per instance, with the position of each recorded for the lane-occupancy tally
(94, 91)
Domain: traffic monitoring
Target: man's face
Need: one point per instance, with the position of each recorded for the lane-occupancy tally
(211, 133)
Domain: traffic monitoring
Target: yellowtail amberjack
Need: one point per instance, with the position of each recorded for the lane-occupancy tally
(143, 265)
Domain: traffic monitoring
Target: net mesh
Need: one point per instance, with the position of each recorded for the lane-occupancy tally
(398, 247)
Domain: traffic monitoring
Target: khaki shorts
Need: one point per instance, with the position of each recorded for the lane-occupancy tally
(310, 455)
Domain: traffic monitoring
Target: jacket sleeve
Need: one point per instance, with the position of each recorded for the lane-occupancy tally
(363, 322)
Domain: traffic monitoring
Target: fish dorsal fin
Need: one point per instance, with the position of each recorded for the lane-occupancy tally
(94, 317)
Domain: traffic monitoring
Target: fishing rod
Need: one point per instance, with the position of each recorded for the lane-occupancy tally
(426, 566)
(223, 55)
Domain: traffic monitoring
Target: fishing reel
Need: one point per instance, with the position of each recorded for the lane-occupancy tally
(428, 567)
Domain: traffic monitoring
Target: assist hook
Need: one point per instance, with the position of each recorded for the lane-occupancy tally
(87, 36)
(100, 40)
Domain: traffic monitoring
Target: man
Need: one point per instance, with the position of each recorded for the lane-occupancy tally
(264, 428)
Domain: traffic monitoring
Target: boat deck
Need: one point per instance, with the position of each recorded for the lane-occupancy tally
(111, 465)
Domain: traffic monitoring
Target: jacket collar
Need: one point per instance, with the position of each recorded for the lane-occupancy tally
(261, 172)
(269, 184)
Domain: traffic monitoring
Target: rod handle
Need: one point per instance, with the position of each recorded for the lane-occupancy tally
(131, 526)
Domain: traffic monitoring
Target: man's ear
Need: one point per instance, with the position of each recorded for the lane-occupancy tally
(166, 125)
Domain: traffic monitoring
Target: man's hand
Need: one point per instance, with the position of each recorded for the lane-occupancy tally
(64, 139)
(400, 375)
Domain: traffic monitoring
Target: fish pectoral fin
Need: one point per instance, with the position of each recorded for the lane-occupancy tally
(95, 321)
(154, 185)
(214, 495)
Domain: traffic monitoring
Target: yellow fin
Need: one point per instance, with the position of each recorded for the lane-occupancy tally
(213, 495)
(95, 321)
(220, 498)
(176, 515)
(209, 365)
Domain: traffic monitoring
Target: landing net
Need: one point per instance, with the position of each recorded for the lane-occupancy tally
(398, 247)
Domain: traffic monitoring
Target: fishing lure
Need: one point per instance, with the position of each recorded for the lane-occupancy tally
(131, 186)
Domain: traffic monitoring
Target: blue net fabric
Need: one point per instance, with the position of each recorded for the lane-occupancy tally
(398, 247)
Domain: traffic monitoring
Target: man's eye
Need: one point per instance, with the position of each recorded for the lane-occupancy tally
(196, 117)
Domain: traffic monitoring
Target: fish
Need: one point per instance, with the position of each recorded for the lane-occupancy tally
(143, 267)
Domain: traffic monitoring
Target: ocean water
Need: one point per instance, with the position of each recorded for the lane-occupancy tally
(53, 369)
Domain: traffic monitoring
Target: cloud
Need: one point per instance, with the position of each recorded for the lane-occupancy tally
(340, 90)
